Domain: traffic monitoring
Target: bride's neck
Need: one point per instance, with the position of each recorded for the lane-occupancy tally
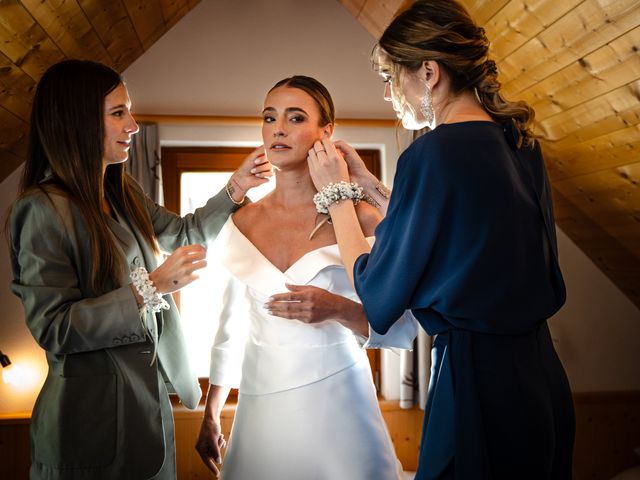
(293, 187)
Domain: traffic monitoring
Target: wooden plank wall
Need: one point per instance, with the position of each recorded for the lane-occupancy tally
(576, 62)
(608, 430)
(34, 34)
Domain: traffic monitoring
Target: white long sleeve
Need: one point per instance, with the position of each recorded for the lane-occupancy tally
(227, 351)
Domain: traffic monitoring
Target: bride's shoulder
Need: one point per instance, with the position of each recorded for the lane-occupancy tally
(248, 215)
(369, 217)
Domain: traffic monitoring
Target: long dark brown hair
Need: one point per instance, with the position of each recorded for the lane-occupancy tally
(443, 31)
(67, 138)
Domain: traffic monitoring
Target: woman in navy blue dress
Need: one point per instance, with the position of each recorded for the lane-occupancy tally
(468, 244)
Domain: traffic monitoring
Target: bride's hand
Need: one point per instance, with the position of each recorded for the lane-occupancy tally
(326, 164)
(209, 444)
(311, 304)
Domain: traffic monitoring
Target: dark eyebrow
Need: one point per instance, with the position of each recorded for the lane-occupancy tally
(115, 107)
(288, 110)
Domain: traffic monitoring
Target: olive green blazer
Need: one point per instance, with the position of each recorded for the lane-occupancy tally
(98, 413)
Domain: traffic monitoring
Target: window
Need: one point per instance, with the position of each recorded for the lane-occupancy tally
(190, 176)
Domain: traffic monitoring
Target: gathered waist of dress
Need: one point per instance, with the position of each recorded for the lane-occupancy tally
(269, 368)
(267, 329)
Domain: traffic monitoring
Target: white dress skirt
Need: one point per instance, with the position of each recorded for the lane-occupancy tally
(307, 408)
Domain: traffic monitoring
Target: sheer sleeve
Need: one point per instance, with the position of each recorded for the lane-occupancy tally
(400, 335)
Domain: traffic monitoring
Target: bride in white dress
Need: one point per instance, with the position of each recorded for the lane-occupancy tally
(307, 407)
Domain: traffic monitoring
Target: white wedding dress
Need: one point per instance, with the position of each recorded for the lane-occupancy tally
(307, 407)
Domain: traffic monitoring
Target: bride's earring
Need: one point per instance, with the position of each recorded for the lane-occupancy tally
(426, 106)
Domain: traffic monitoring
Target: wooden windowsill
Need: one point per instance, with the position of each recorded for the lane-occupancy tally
(180, 411)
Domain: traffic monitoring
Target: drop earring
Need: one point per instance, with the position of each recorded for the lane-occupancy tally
(426, 106)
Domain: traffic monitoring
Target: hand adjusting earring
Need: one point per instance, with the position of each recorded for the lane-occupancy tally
(426, 106)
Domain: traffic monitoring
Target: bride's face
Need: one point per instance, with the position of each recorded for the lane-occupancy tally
(290, 125)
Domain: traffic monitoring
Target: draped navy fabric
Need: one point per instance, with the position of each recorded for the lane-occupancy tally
(468, 244)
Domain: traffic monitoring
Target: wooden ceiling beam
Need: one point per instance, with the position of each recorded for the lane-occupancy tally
(112, 25)
(146, 16)
(589, 26)
(602, 115)
(616, 149)
(24, 41)
(174, 10)
(13, 134)
(609, 67)
(483, 10)
(16, 89)
(66, 24)
(620, 265)
(520, 20)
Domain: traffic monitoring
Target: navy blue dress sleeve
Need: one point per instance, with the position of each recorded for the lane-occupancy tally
(387, 278)
(464, 244)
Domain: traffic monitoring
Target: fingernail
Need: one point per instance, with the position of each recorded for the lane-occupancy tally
(218, 460)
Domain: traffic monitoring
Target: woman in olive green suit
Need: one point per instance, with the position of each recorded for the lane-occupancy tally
(85, 245)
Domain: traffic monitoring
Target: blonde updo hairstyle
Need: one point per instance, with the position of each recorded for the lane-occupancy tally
(443, 31)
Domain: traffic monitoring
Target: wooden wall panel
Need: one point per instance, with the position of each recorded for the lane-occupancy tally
(483, 10)
(16, 89)
(173, 10)
(375, 15)
(68, 27)
(521, 20)
(598, 116)
(24, 41)
(113, 26)
(608, 428)
(13, 134)
(354, 6)
(606, 252)
(146, 16)
(610, 67)
(607, 431)
(615, 149)
(591, 24)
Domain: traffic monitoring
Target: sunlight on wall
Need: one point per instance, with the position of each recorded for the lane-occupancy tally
(200, 302)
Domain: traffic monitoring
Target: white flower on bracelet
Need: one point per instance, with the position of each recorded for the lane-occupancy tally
(152, 304)
(147, 290)
(334, 192)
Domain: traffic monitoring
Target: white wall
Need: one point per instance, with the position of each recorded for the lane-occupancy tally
(15, 339)
(597, 332)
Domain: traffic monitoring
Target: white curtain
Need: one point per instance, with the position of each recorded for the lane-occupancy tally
(144, 161)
